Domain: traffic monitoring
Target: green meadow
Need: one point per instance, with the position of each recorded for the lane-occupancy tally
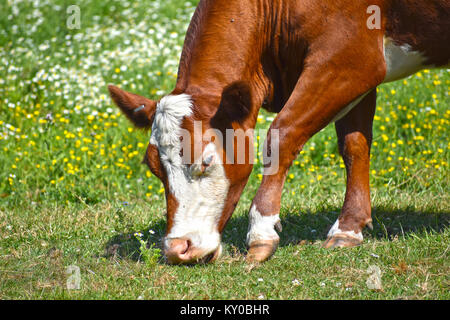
(75, 194)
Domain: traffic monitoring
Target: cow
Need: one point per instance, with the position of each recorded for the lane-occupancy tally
(313, 62)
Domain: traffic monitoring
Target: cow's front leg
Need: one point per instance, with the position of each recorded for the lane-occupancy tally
(318, 98)
(354, 133)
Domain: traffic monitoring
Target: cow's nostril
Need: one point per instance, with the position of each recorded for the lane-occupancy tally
(177, 248)
(187, 245)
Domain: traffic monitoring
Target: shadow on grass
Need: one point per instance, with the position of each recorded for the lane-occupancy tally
(297, 227)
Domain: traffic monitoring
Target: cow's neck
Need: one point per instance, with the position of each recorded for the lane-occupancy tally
(223, 47)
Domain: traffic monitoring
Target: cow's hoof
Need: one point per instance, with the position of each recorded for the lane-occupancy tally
(261, 250)
(341, 240)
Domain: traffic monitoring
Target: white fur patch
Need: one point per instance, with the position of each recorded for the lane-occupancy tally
(401, 61)
(169, 114)
(335, 230)
(200, 198)
(261, 227)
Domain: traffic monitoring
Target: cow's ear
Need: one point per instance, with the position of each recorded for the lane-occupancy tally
(235, 105)
(138, 109)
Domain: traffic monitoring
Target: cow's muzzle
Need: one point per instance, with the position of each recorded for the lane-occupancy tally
(181, 251)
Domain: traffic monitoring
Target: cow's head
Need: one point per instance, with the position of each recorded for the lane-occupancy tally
(201, 188)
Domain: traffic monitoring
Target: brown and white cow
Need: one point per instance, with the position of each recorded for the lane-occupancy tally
(313, 62)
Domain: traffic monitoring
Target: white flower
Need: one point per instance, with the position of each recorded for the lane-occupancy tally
(296, 282)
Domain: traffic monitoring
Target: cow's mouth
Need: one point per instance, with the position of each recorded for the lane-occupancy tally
(208, 258)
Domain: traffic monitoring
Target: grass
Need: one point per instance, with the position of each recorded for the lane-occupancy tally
(73, 190)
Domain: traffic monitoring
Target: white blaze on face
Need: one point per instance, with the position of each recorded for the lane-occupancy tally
(261, 227)
(200, 198)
